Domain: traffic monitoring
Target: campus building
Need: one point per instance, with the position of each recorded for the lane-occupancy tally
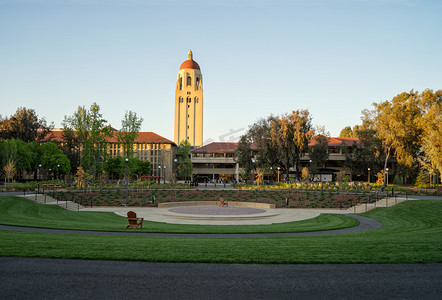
(189, 104)
(148, 146)
(216, 161)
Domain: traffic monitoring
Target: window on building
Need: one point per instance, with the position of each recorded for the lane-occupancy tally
(197, 83)
(189, 80)
(180, 82)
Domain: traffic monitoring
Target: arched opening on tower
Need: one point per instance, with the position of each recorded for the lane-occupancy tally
(180, 82)
(189, 80)
(197, 83)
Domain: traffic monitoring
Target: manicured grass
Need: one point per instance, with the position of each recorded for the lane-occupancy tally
(412, 233)
(24, 212)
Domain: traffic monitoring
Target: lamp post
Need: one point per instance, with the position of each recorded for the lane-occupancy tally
(164, 173)
(127, 174)
(386, 172)
(253, 169)
(368, 175)
(50, 173)
(39, 172)
(278, 173)
(58, 171)
(159, 174)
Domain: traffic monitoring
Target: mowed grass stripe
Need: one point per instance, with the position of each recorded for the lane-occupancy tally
(24, 212)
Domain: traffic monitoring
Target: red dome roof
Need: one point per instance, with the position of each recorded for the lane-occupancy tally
(190, 64)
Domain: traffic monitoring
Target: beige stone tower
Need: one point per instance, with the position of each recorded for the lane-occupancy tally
(189, 103)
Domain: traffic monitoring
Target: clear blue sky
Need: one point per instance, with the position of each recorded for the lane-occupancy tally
(334, 58)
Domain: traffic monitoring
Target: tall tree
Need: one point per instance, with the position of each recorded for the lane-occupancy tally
(431, 124)
(265, 149)
(24, 125)
(318, 153)
(292, 133)
(20, 153)
(130, 126)
(348, 132)
(92, 134)
(184, 163)
(244, 155)
(397, 125)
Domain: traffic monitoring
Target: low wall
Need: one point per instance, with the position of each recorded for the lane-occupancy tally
(195, 203)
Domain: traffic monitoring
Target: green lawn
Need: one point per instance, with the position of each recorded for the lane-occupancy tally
(412, 233)
(25, 212)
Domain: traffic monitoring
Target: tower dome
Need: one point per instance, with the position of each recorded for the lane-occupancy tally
(190, 63)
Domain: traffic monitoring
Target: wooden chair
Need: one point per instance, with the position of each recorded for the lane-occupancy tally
(134, 222)
(223, 202)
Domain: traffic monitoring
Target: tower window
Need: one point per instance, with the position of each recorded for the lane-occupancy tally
(180, 82)
(196, 100)
(197, 82)
(189, 80)
(181, 100)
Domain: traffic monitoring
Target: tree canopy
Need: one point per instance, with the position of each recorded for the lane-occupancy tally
(24, 125)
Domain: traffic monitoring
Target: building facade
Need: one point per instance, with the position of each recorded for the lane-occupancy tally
(148, 146)
(189, 104)
(216, 161)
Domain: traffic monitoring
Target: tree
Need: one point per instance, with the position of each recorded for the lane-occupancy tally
(305, 174)
(318, 153)
(265, 150)
(291, 134)
(279, 140)
(139, 168)
(20, 153)
(9, 170)
(243, 156)
(54, 159)
(348, 132)
(130, 126)
(93, 135)
(115, 167)
(431, 105)
(184, 167)
(24, 125)
(396, 124)
(71, 147)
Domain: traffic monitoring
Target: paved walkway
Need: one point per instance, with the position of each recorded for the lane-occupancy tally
(364, 224)
(218, 215)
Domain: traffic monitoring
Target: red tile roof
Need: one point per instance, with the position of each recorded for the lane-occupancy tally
(217, 147)
(221, 147)
(336, 141)
(143, 137)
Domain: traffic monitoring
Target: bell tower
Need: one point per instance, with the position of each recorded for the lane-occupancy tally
(189, 103)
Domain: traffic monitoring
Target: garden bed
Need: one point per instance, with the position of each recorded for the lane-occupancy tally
(280, 198)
